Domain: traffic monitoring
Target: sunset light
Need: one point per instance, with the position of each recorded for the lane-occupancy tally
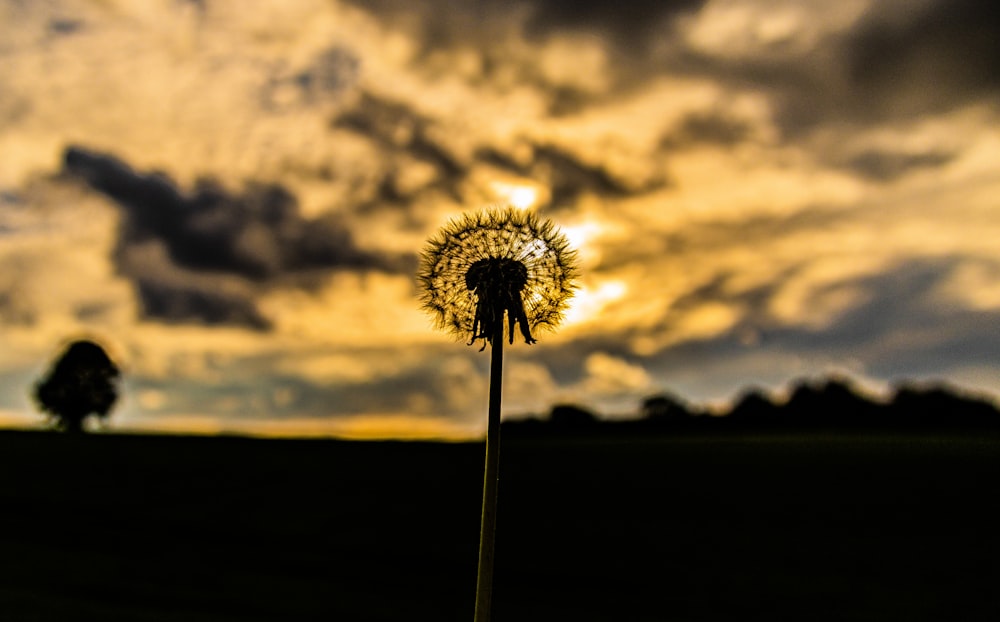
(521, 196)
(275, 275)
(581, 237)
(234, 200)
(588, 303)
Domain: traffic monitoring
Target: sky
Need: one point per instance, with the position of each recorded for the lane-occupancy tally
(231, 197)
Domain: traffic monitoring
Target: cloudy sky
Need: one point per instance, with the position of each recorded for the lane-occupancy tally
(231, 197)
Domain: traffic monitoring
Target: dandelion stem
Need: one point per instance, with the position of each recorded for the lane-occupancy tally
(491, 480)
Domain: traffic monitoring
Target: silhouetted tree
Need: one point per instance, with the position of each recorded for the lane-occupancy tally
(571, 416)
(665, 407)
(830, 402)
(754, 407)
(941, 406)
(82, 382)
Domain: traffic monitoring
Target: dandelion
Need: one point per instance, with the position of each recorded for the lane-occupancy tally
(478, 270)
(482, 265)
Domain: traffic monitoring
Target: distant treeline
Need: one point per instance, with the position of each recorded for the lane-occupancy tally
(825, 404)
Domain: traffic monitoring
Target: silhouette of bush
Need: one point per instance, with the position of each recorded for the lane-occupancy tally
(940, 406)
(820, 404)
(83, 382)
(754, 407)
(830, 402)
(571, 416)
(665, 407)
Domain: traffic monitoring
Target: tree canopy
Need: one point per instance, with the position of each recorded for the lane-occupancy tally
(82, 382)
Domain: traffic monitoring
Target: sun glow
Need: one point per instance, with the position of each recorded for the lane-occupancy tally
(588, 302)
(580, 236)
(521, 196)
(360, 427)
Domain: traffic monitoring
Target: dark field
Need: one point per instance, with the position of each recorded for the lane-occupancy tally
(117, 528)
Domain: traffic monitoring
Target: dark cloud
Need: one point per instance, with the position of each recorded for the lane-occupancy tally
(498, 29)
(388, 393)
(259, 234)
(253, 388)
(887, 166)
(395, 125)
(630, 21)
(898, 61)
(400, 131)
(451, 20)
(708, 238)
(901, 327)
(567, 362)
(930, 59)
(181, 301)
(801, 91)
(168, 237)
(905, 321)
(901, 316)
(324, 80)
(387, 122)
(708, 127)
(568, 176)
(65, 26)
(200, 5)
(14, 311)
(15, 107)
(173, 294)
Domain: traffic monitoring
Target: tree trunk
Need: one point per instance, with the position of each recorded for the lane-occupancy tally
(73, 424)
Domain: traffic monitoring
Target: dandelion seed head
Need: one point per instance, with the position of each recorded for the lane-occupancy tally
(483, 264)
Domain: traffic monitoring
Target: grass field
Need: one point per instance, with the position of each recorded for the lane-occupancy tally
(117, 528)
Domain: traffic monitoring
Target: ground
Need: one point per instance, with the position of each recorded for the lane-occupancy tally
(820, 527)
